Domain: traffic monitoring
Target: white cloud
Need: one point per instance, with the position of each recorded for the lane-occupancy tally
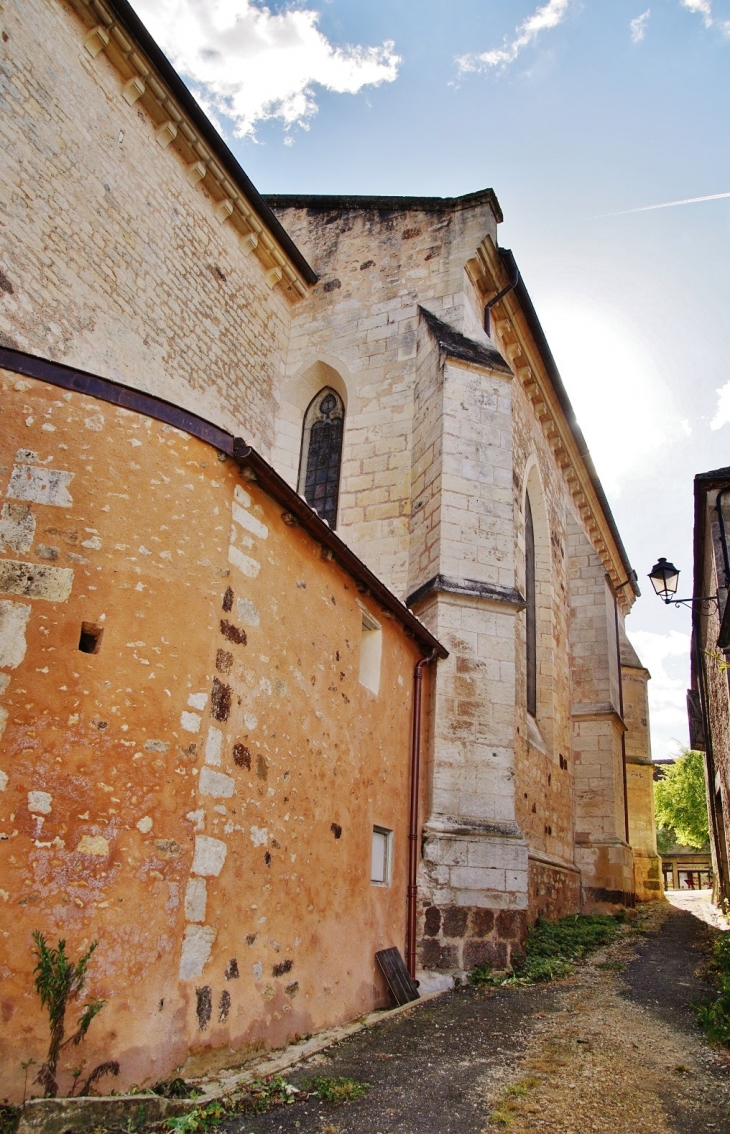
(701, 8)
(545, 18)
(722, 414)
(667, 693)
(606, 367)
(638, 26)
(250, 64)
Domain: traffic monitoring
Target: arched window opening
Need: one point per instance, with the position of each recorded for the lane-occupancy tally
(531, 611)
(319, 468)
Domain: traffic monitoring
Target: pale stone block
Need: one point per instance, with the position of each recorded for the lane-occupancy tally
(476, 878)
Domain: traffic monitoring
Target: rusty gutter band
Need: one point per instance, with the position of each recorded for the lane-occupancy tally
(81, 382)
(297, 507)
(413, 854)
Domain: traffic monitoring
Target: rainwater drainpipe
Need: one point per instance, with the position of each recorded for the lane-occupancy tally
(620, 587)
(514, 280)
(413, 824)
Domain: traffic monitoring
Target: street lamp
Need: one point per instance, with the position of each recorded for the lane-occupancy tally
(664, 578)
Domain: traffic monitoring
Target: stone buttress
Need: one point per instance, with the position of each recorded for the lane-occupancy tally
(473, 877)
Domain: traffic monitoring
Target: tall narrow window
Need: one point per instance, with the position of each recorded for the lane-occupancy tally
(531, 611)
(319, 469)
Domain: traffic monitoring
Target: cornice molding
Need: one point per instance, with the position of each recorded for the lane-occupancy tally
(551, 860)
(174, 129)
(454, 827)
(470, 588)
(489, 275)
(598, 711)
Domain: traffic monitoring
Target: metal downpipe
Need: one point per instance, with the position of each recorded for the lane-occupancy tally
(413, 821)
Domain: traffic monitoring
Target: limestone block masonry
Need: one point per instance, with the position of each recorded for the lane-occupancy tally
(113, 260)
(447, 431)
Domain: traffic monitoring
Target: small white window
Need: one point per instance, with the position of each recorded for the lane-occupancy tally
(382, 856)
(371, 648)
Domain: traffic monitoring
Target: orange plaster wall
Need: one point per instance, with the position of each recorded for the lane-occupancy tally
(108, 856)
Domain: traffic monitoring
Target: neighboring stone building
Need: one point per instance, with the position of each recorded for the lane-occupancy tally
(206, 693)
(708, 700)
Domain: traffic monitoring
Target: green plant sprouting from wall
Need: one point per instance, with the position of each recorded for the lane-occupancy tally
(58, 981)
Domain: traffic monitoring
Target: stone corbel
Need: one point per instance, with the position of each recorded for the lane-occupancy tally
(249, 242)
(223, 210)
(195, 172)
(165, 134)
(133, 90)
(96, 40)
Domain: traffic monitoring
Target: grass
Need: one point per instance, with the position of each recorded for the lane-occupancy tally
(262, 1095)
(338, 1090)
(510, 1099)
(715, 1016)
(9, 1118)
(552, 948)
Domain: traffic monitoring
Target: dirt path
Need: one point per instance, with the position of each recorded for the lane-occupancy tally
(613, 1049)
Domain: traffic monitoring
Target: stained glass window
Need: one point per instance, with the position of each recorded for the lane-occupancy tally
(531, 611)
(319, 478)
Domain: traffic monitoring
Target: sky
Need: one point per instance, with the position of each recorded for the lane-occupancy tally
(583, 116)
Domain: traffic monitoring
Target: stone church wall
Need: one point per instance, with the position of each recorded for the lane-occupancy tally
(544, 785)
(198, 794)
(112, 261)
(648, 885)
(361, 321)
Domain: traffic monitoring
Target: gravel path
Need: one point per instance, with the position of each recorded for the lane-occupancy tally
(613, 1049)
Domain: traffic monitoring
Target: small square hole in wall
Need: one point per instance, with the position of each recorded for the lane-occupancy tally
(371, 648)
(381, 863)
(90, 638)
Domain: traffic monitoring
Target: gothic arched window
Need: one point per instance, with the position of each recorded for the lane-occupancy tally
(319, 468)
(531, 611)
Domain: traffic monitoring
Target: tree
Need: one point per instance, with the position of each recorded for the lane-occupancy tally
(680, 800)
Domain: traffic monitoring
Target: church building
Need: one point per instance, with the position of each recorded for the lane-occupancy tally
(312, 605)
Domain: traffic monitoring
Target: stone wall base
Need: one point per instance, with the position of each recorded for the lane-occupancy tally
(648, 882)
(457, 938)
(607, 875)
(552, 891)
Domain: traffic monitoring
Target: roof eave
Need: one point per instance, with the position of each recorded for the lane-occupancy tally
(339, 202)
(133, 26)
(540, 339)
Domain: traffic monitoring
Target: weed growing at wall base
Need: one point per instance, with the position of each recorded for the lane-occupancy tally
(552, 948)
(338, 1090)
(262, 1095)
(58, 980)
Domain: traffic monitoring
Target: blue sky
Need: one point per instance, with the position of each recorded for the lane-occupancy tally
(573, 111)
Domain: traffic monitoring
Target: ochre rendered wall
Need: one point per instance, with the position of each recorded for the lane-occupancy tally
(199, 795)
